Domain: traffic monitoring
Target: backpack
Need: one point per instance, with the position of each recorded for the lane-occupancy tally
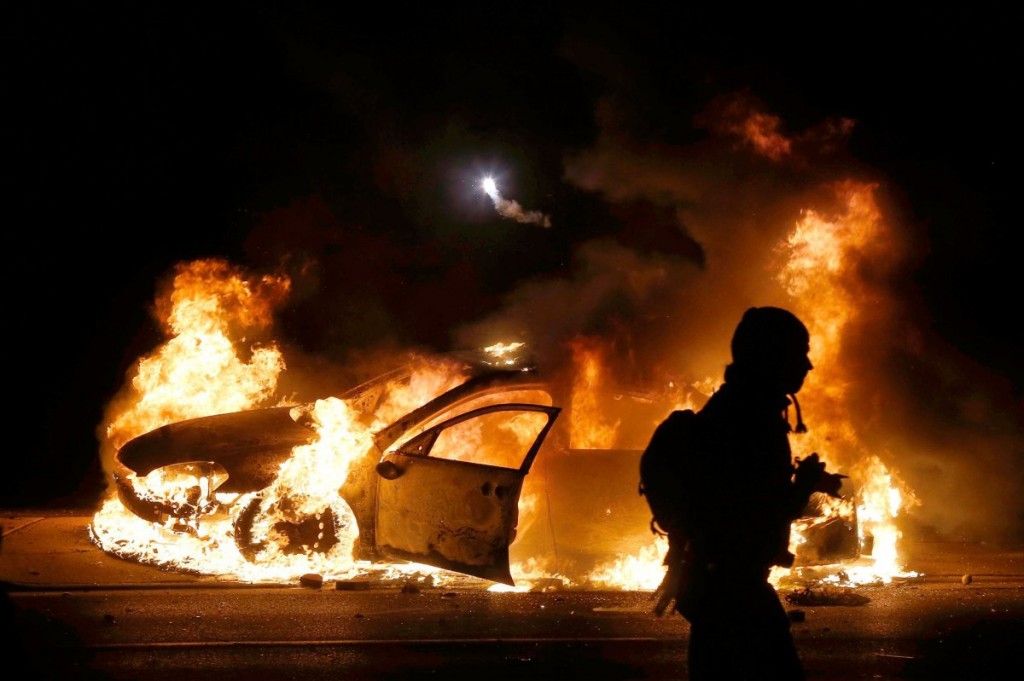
(662, 482)
(661, 472)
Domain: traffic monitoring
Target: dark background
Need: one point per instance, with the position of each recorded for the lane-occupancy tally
(142, 135)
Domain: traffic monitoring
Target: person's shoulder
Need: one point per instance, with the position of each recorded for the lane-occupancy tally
(678, 418)
(680, 415)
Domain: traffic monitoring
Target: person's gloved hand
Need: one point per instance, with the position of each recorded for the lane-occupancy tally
(810, 475)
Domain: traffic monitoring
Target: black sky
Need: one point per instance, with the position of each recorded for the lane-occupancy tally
(142, 135)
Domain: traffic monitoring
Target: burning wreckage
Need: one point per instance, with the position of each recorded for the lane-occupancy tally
(444, 485)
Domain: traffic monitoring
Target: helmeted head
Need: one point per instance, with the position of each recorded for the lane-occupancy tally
(771, 345)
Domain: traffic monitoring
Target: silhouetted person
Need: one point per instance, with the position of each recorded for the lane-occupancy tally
(738, 492)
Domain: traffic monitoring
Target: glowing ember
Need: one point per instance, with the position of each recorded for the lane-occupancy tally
(504, 353)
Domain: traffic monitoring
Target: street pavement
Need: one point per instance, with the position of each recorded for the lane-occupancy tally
(73, 611)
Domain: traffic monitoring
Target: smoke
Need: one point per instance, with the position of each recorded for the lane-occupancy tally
(948, 430)
(511, 209)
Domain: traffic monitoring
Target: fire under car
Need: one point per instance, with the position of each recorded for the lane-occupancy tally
(442, 485)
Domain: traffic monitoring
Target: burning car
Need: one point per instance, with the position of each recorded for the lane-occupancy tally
(415, 493)
(444, 484)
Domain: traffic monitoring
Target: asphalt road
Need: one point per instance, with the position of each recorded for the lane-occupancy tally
(71, 611)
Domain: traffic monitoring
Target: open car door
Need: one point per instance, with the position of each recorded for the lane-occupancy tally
(449, 497)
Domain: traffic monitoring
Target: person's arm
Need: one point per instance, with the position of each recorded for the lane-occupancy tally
(810, 477)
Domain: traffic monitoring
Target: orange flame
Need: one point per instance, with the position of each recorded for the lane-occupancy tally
(206, 366)
(589, 429)
(822, 254)
(640, 572)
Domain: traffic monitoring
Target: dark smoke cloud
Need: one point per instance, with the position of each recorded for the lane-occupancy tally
(946, 426)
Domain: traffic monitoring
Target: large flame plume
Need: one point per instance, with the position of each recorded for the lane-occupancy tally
(819, 252)
(207, 365)
(209, 310)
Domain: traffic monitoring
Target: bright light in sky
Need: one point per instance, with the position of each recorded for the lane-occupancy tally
(490, 188)
(512, 209)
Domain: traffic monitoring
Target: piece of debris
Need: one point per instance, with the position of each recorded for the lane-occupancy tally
(311, 580)
(410, 588)
(796, 615)
(825, 596)
(620, 608)
(352, 585)
(967, 579)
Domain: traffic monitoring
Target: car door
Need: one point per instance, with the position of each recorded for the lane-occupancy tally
(449, 496)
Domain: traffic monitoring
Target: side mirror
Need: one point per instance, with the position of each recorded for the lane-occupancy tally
(388, 470)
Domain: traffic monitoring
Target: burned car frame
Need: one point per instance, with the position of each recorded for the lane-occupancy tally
(410, 501)
(408, 504)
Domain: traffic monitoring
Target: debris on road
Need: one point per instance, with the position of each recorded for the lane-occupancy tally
(352, 585)
(311, 580)
(825, 596)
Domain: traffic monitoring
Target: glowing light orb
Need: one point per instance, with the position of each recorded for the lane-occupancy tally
(490, 188)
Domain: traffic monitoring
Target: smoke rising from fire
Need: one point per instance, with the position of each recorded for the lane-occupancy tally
(787, 219)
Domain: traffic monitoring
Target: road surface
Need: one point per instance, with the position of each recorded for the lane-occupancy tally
(72, 611)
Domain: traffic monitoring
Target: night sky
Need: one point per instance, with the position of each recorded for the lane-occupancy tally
(351, 145)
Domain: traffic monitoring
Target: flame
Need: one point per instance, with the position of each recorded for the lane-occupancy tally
(206, 366)
(504, 353)
(589, 428)
(822, 253)
(307, 485)
(427, 379)
(640, 572)
(534, 574)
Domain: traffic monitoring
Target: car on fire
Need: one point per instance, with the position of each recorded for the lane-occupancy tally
(441, 485)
